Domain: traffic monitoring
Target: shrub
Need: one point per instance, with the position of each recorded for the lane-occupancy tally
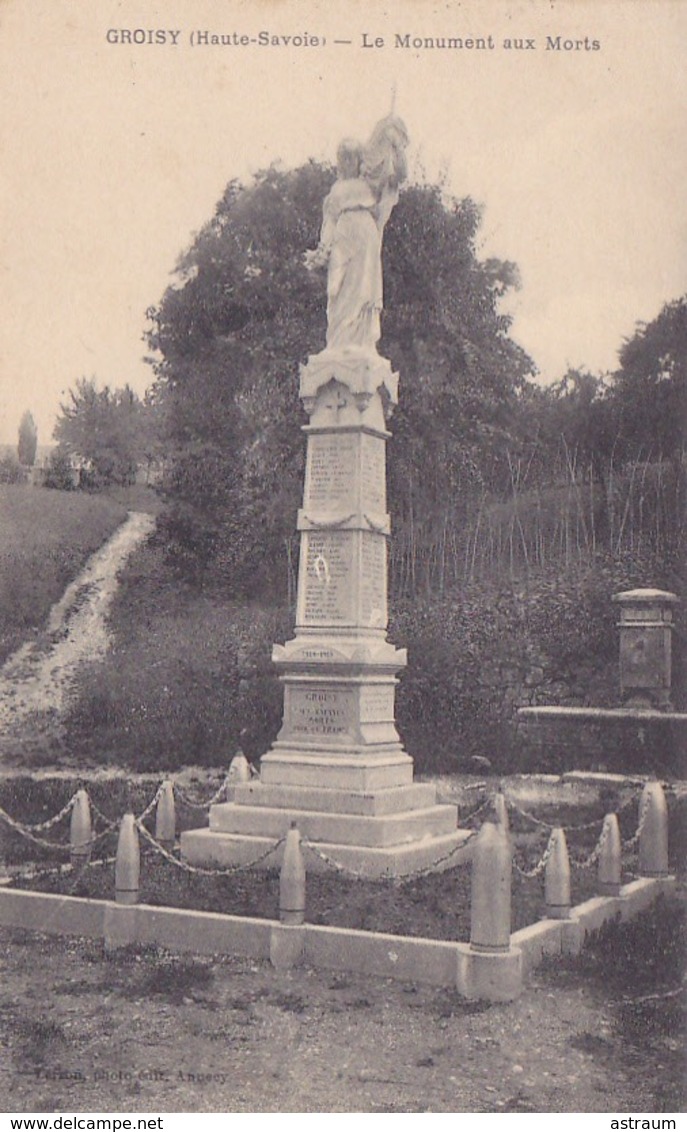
(11, 470)
(474, 657)
(187, 681)
(58, 472)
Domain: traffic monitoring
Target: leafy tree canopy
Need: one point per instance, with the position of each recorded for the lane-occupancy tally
(244, 312)
(649, 391)
(109, 431)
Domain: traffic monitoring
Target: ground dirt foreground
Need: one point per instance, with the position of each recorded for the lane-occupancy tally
(151, 1033)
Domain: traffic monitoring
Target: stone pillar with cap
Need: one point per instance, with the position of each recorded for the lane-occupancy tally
(339, 671)
(646, 626)
(337, 767)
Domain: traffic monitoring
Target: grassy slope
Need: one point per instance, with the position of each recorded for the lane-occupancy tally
(45, 538)
(188, 679)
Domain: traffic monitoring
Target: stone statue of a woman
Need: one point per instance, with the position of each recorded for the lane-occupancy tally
(354, 215)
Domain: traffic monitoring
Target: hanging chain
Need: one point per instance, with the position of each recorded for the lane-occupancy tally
(596, 851)
(38, 827)
(57, 870)
(567, 828)
(482, 806)
(109, 823)
(347, 870)
(206, 872)
(550, 825)
(153, 802)
(216, 797)
(541, 863)
(634, 841)
(24, 832)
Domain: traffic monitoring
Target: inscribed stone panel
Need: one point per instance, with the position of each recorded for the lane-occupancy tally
(377, 703)
(331, 471)
(373, 473)
(320, 711)
(373, 608)
(328, 592)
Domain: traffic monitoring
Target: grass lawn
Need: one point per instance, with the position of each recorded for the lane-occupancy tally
(45, 538)
(433, 906)
(436, 905)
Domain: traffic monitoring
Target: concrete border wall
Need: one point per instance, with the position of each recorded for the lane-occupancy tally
(491, 975)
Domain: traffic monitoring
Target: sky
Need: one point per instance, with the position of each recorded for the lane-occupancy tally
(113, 154)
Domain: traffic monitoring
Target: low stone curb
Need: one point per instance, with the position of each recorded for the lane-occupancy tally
(568, 936)
(496, 976)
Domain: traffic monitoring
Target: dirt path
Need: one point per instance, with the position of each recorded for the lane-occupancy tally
(38, 681)
(148, 1033)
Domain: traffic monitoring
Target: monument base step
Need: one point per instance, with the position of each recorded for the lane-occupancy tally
(377, 831)
(358, 770)
(211, 849)
(391, 800)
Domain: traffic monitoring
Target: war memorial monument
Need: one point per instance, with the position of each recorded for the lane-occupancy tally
(337, 768)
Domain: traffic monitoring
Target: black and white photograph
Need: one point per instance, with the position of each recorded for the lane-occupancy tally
(343, 571)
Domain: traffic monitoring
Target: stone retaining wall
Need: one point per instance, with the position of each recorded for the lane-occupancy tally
(621, 746)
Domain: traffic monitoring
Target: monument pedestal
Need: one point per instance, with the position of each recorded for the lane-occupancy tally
(338, 769)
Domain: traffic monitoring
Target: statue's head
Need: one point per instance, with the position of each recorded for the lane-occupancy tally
(348, 158)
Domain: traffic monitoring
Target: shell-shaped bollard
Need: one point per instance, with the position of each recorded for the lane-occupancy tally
(292, 881)
(239, 768)
(128, 862)
(80, 830)
(239, 771)
(165, 817)
(557, 878)
(501, 810)
(653, 835)
(492, 863)
(610, 857)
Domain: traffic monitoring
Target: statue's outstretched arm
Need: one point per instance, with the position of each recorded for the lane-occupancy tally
(387, 202)
(384, 162)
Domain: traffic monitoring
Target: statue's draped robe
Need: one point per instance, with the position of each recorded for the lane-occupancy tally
(353, 223)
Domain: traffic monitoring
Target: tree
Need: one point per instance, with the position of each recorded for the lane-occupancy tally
(109, 431)
(244, 312)
(567, 430)
(610, 449)
(649, 390)
(461, 379)
(28, 441)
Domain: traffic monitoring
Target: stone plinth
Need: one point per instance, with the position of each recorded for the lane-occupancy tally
(646, 626)
(337, 767)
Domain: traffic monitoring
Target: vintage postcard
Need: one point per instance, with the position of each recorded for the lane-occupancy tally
(342, 402)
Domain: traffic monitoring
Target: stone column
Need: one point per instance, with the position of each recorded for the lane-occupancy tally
(337, 769)
(339, 671)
